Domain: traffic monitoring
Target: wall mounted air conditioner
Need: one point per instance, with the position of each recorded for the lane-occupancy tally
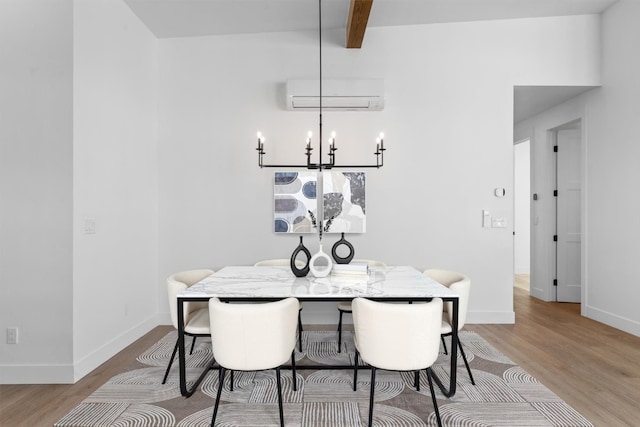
(337, 95)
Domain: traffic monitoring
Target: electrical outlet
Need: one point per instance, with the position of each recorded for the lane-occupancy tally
(499, 222)
(12, 335)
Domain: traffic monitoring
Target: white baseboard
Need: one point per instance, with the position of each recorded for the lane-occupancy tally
(90, 362)
(71, 373)
(624, 324)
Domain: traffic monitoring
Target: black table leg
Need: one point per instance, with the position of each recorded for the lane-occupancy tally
(186, 392)
(454, 356)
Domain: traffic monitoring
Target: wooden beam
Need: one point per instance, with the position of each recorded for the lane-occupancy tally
(357, 22)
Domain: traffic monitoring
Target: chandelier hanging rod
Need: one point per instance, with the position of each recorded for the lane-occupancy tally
(379, 153)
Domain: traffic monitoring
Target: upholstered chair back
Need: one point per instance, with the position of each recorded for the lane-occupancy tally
(178, 282)
(250, 337)
(461, 285)
(401, 337)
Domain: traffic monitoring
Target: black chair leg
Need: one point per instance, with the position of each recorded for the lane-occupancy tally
(416, 380)
(444, 344)
(293, 370)
(193, 343)
(373, 386)
(173, 356)
(464, 357)
(355, 372)
(220, 383)
(299, 332)
(231, 382)
(278, 382)
(340, 333)
(433, 397)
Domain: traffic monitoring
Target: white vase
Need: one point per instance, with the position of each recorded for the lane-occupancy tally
(320, 264)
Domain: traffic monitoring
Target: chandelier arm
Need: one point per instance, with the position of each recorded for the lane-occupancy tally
(379, 153)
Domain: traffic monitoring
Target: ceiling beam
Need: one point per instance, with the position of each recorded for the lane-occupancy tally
(357, 22)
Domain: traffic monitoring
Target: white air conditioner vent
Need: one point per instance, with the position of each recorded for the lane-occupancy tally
(337, 95)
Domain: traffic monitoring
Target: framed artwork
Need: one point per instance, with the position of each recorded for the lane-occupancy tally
(296, 202)
(294, 197)
(344, 202)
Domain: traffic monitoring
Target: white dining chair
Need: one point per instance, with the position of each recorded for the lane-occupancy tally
(462, 285)
(345, 306)
(253, 337)
(281, 262)
(196, 314)
(397, 337)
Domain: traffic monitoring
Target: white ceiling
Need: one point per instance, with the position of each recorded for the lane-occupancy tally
(531, 100)
(185, 18)
(189, 18)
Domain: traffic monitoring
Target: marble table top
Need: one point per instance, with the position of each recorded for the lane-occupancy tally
(243, 282)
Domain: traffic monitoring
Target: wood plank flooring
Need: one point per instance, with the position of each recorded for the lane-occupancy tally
(43, 405)
(594, 368)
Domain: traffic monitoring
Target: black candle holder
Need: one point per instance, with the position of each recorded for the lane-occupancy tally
(300, 272)
(334, 251)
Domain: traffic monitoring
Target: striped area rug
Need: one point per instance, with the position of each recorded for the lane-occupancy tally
(504, 394)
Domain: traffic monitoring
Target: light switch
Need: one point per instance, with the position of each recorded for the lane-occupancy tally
(486, 219)
(89, 226)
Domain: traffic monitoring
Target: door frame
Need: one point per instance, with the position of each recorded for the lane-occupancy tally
(539, 130)
(517, 221)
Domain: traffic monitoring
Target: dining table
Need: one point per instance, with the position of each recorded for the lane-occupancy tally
(271, 283)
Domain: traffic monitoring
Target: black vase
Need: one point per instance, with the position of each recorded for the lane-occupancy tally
(300, 272)
(334, 251)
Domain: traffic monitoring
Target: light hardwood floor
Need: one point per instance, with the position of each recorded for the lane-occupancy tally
(594, 368)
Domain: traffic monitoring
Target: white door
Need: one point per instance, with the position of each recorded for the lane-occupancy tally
(568, 216)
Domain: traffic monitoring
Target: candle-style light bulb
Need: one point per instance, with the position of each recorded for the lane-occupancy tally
(381, 135)
(309, 135)
(333, 134)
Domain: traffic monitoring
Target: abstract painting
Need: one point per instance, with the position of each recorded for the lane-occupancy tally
(294, 198)
(344, 201)
(296, 202)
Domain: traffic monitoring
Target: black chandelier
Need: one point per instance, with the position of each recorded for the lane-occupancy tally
(379, 153)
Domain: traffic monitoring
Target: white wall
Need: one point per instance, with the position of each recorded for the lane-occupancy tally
(36, 189)
(611, 232)
(613, 174)
(79, 116)
(448, 122)
(115, 181)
